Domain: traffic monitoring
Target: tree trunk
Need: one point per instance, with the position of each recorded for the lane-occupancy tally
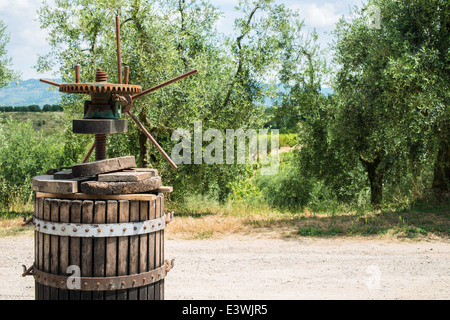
(441, 179)
(375, 172)
(240, 58)
(376, 186)
(376, 180)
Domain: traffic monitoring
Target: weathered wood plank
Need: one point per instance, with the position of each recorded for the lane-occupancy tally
(40, 248)
(92, 126)
(122, 176)
(87, 216)
(99, 247)
(62, 175)
(154, 172)
(46, 183)
(100, 187)
(46, 248)
(36, 244)
(54, 245)
(64, 211)
(122, 256)
(102, 166)
(161, 286)
(111, 246)
(163, 189)
(158, 248)
(75, 243)
(151, 247)
(133, 266)
(143, 247)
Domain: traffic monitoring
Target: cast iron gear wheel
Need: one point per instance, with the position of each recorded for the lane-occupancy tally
(99, 87)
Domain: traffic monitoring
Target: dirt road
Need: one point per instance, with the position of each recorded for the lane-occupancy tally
(249, 267)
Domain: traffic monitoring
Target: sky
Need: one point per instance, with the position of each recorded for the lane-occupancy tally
(27, 39)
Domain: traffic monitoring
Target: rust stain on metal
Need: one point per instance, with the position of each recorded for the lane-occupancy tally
(77, 73)
(103, 87)
(159, 86)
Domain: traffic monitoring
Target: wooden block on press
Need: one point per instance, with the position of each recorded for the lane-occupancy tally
(104, 187)
(125, 176)
(164, 189)
(103, 166)
(47, 183)
(92, 126)
(65, 174)
(153, 171)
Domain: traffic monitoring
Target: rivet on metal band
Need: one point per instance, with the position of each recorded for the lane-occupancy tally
(99, 229)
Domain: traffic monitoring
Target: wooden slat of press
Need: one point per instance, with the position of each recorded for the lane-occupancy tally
(158, 249)
(46, 183)
(122, 255)
(164, 189)
(75, 243)
(151, 250)
(87, 215)
(64, 211)
(36, 243)
(111, 247)
(39, 252)
(54, 246)
(41, 248)
(143, 248)
(124, 176)
(46, 249)
(99, 247)
(108, 165)
(133, 266)
(161, 288)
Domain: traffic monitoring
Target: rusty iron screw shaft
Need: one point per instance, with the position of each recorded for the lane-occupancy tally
(100, 146)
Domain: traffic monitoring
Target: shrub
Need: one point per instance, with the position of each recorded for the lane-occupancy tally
(25, 153)
(287, 189)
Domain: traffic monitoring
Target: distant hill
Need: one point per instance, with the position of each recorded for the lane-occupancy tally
(29, 92)
(269, 102)
(32, 91)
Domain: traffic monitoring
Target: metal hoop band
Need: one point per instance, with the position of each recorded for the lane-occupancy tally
(100, 230)
(100, 283)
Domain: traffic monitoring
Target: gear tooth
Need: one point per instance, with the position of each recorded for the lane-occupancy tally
(87, 88)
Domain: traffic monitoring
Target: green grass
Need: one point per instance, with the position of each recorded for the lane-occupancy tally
(206, 217)
(373, 224)
(49, 122)
(13, 227)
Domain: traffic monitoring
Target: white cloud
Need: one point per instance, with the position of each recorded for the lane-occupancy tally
(16, 5)
(27, 39)
(323, 16)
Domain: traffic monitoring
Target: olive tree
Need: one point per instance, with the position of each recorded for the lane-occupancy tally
(161, 40)
(392, 88)
(6, 73)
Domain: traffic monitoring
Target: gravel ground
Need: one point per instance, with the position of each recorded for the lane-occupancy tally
(258, 268)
